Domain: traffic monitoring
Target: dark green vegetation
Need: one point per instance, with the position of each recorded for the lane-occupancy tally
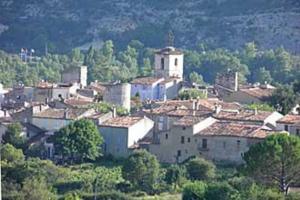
(275, 66)
(80, 140)
(141, 176)
(68, 24)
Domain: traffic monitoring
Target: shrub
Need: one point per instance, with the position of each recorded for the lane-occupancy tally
(200, 169)
(194, 190)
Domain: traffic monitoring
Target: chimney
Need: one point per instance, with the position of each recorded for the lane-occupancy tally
(40, 106)
(194, 102)
(217, 109)
(65, 114)
(46, 101)
(255, 111)
(114, 113)
(5, 113)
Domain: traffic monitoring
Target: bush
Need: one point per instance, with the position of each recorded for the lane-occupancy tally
(221, 190)
(113, 195)
(194, 191)
(293, 196)
(200, 169)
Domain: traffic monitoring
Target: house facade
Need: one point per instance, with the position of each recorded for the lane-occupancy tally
(121, 133)
(289, 123)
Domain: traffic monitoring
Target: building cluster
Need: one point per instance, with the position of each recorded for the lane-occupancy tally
(218, 128)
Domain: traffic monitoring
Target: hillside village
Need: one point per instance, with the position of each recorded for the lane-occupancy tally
(219, 127)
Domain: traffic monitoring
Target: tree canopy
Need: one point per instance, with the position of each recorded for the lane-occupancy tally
(79, 140)
(142, 170)
(275, 161)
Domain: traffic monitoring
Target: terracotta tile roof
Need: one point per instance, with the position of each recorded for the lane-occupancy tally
(146, 80)
(171, 79)
(69, 113)
(97, 87)
(45, 85)
(123, 122)
(290, 119)
(258, 92)
(244, 115)
(188, 121)
(235, 129)
(78, 102)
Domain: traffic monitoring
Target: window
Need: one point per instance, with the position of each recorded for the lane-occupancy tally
(167, 136)
(286, 127)
(183, 128)
(178, 153)
(189, 140)
(176, 61)
(204, 143)
(160, 123)
(224, 145)
(182, 139)
(238, 144)
(298, 132)
(162, 63)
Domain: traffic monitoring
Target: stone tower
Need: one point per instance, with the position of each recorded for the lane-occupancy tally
(169, 63)
(75, 75)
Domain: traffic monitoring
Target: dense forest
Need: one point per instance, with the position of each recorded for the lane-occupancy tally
(108, 63)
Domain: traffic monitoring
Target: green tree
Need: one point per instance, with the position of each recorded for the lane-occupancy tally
(191, 94)
(221, 190)
(76, 55)
(261, 107)
(194, 191)
(200, 169)
(196, 78)
(13, 135)
(141, 169)
(79, 140)
(174, 175)
(35, 188)
(10, 154)
(275, 161)
(284, 99)
(262, 76)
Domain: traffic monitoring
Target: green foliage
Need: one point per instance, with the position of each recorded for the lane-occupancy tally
(10, 154)
(105, 107)
(200, 169)
(36, 189)
(284, 99)
(142, 170)
(13, 135)
(108, 195)
(191, 94)
(221, 190)
(79, 140)
(275, 161)
(196, 78)
(260, 106)
(262, 75)
(174, 175)
(194, 191)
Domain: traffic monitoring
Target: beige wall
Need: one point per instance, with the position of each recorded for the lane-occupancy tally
(222, 149)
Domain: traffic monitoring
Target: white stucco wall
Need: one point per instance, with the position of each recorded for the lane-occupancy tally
(50, 124)
(139, 130)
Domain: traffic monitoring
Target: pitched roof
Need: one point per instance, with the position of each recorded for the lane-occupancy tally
(258, 92)
(78, 102)
(243, 115)
(234, 129)
(123, 122)
(146, 80)
(290, 119)
(188, 120)
(69, 113)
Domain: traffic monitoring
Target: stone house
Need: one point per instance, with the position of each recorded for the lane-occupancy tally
(289, 123)
(122, 133)
(220, 141)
